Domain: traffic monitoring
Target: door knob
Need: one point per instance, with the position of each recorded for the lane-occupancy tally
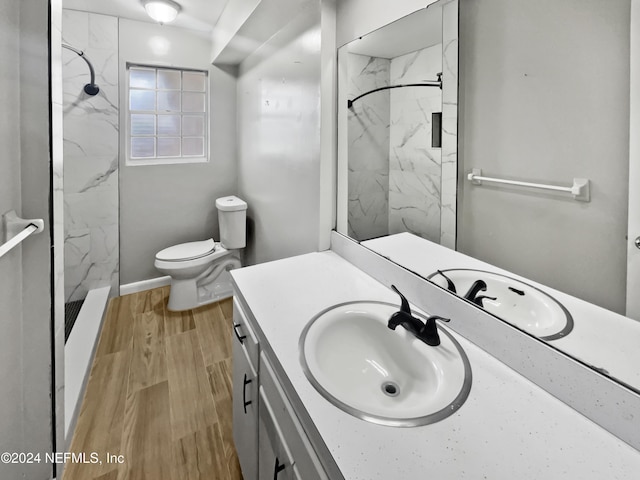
(637, 242)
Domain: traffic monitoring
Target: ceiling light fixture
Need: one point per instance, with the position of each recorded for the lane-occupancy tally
(162, 11)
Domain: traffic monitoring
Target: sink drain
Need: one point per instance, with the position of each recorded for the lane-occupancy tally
(390, 389)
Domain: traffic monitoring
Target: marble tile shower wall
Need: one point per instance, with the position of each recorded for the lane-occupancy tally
(414, 165)
(90, 155)
(368, 127)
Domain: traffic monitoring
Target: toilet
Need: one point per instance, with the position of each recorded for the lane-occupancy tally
(199, 271)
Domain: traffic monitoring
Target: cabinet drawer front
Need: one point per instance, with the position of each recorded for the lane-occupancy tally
(307, 464)
(274, 458)
(243, 334)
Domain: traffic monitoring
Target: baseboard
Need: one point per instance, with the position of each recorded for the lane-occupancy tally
(143, 285)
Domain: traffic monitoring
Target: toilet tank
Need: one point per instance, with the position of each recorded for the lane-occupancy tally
(232, 220)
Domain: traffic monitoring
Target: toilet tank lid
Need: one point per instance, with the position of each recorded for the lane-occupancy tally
(230, 204)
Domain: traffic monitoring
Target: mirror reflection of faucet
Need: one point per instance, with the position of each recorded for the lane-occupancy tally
(472, 294)
(426, 332)
(519, 303)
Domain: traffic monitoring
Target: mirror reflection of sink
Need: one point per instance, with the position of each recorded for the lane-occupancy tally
(519, 303)
(380, 375)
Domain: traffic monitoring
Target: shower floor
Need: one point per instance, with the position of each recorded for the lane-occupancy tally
(71, 311)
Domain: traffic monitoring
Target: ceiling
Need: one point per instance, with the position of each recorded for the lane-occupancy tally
(418, 30)
(196, 14)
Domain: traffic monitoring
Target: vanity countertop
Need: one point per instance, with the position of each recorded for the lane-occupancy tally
(507, 428)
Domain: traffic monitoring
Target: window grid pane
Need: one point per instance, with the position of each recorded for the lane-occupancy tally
(193, 81)
(157, 96)
(169, 80)
(143, 124)
(169, 125)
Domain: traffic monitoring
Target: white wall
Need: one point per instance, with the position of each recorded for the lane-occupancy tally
(162, 205)
(545, 97)
(25, 295)
(279, 143)
(10, 265)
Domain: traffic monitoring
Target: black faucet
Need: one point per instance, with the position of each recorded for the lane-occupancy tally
(477, 287)
(450, 285)
(426, 332)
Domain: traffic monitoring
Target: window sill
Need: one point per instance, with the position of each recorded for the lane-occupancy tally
(165, 161)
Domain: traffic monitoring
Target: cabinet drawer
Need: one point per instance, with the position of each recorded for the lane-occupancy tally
(306, 462)
(275, 461)
(243, 334)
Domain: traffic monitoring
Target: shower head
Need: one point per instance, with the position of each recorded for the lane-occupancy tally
(90, 88)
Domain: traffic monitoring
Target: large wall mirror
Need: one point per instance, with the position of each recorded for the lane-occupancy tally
(397, 121)
(540, 95)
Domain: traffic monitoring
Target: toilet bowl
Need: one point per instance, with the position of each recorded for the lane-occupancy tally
(199, 270)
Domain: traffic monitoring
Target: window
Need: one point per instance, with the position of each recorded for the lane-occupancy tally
(167, 115)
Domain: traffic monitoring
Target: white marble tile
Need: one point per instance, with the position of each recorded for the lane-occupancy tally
(104, 243)
(84, 173)
(91, 149)
(415, 166)
(368, 143)
(368, 216)
(91, 209)
(103, 32)
(366, 73)
(369, 181)
(77, 246)
(75, 31)
(414, 203)
(82, 278)
(421, 65)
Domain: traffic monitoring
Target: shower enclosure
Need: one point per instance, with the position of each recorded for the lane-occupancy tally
(91, 147)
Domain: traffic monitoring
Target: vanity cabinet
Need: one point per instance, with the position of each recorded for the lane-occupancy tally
(245, 393)
(269, 438)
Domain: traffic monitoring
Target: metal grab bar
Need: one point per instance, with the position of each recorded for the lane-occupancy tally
(17, 229)
(580, 188)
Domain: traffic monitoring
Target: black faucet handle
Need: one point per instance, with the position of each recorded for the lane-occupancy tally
(433, 318)
(429, 333)
(404, 306)
(450, 285)
(479, 299)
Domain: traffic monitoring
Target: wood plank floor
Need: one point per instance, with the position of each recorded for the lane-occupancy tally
(159, 394)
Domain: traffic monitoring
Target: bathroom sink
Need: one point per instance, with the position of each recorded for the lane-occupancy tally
(519, 303)
(380, 375)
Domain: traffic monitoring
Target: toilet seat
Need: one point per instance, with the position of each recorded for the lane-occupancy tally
(187, 251)
(179, 266)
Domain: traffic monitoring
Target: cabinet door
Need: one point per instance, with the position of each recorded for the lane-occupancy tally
(245, 412)
(274, 459)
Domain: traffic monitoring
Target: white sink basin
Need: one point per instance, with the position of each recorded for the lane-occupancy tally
(519, 303)
(380, 375)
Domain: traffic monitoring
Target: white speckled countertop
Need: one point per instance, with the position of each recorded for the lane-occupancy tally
(508, 428)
